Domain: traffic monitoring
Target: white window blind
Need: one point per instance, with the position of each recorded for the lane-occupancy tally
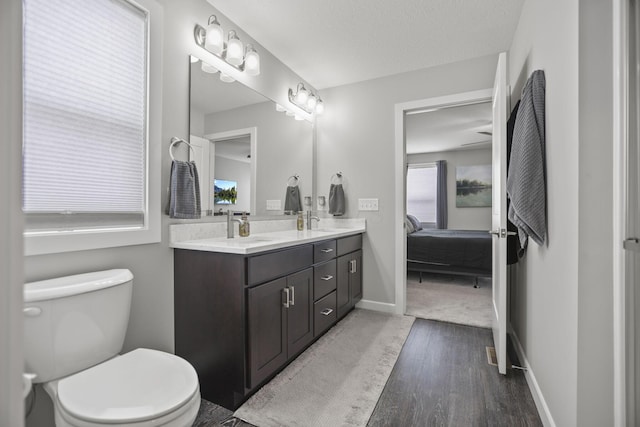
(422, 187)
(85, 114)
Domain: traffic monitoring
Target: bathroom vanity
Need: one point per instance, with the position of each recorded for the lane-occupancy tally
(245, 308)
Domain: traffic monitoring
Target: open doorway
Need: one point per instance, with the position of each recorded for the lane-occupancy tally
(448, 206)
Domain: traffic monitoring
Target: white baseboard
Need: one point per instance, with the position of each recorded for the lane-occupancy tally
(377, 306)
(538, 398)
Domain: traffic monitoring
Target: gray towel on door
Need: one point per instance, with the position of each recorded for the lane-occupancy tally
(336, 200)
(526, 187)
(184, 195)
(292, 200)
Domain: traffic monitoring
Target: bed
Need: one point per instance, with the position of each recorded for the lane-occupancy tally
(463, 252)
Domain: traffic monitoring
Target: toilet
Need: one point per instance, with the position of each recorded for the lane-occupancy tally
(74, 329)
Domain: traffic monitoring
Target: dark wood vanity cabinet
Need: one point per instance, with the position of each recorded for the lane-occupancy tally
(239, 319)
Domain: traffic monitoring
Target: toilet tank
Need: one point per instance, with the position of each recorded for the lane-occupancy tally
(72, 323)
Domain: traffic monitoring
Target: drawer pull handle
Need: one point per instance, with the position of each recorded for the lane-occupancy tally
(293, 296)
(327, 277)
(353, 267)
(286, 298)
(327, 250)
(326, 311)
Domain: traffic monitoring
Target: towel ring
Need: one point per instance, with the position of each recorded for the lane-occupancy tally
(336, 178)
(295, 178)
(174, 141)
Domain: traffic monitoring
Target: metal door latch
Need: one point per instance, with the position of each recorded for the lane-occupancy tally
(631, 244)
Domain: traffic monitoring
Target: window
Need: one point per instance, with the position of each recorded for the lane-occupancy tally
(85, 104)
(422, 185)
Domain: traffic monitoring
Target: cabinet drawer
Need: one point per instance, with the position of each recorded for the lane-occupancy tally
(324, 279)
(324, 251)
(324, 314)
(349, 244)
(262, 268)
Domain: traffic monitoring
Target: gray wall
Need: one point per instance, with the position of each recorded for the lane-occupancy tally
(460, 218)
(356, 136)
(562, 301)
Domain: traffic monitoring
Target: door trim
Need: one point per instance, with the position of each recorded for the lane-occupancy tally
(623, 323)
(400, 162)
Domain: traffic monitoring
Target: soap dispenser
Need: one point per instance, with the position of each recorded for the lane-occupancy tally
(300, 222)
(244, 226)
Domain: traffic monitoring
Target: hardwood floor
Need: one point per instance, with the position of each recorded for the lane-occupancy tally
(442, 378)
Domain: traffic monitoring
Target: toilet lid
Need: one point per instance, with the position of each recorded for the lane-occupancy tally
(137, 386)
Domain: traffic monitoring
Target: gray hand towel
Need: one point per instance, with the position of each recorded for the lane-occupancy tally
(526, 185)
(292, 200)
(336, 200)
(184, 196)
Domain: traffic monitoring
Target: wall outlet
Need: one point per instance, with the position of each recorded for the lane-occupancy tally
(274, 205)
(367, 204)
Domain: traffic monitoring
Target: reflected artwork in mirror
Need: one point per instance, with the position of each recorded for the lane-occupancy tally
(239, 136)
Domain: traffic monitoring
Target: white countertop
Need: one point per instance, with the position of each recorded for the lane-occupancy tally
(266, 241)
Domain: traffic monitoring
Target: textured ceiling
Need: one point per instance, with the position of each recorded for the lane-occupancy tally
(334, 42)
(446, 129)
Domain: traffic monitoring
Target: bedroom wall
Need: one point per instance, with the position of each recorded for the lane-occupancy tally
(356, 136)
(459, 218)
(544, 309)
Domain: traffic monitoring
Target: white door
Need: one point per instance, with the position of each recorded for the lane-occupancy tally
(499, 213)
(200, 153)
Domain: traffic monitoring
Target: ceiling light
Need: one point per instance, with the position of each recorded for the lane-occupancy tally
(214, 40)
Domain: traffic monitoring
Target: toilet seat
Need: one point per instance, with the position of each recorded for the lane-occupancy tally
(138, 388)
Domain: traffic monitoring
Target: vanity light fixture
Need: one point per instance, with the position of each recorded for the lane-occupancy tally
(308, 101)
(232, 52)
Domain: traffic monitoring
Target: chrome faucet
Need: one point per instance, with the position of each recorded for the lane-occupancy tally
(309, 218)
(230, 220)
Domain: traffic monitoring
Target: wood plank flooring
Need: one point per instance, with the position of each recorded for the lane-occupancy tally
(441, 378)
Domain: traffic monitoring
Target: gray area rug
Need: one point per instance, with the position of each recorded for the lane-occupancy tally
(450, 299)
(338, 380)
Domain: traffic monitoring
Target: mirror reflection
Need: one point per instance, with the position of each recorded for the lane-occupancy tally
(246, 151)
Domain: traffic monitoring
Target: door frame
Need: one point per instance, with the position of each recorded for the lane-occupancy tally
(623, 290)
(400, 161)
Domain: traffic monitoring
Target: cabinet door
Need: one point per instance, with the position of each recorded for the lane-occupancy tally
(267, 319)
(355, 279)
(300, 311)
(342, 285)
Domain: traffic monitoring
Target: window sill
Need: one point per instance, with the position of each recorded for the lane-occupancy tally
(58, 242)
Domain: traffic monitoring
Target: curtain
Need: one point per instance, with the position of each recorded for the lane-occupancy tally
(441, 195)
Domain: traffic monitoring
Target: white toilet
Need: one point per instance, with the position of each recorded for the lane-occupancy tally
(74, 329)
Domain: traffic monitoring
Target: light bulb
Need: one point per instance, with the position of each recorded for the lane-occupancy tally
(214, 41)
(311, 102)
(252, 61)
(235, 49)
(226, 78)
(319, 107)
(302, 96)
(208, 68)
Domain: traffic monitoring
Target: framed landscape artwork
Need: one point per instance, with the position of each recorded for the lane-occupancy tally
(473, 186)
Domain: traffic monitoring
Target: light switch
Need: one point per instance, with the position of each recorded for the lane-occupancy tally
(274, 205)
(367, 204)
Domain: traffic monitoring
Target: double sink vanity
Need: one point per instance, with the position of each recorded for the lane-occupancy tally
(247, 306)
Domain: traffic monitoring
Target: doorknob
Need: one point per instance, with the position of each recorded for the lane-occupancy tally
(502, 232)
(632, 244)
